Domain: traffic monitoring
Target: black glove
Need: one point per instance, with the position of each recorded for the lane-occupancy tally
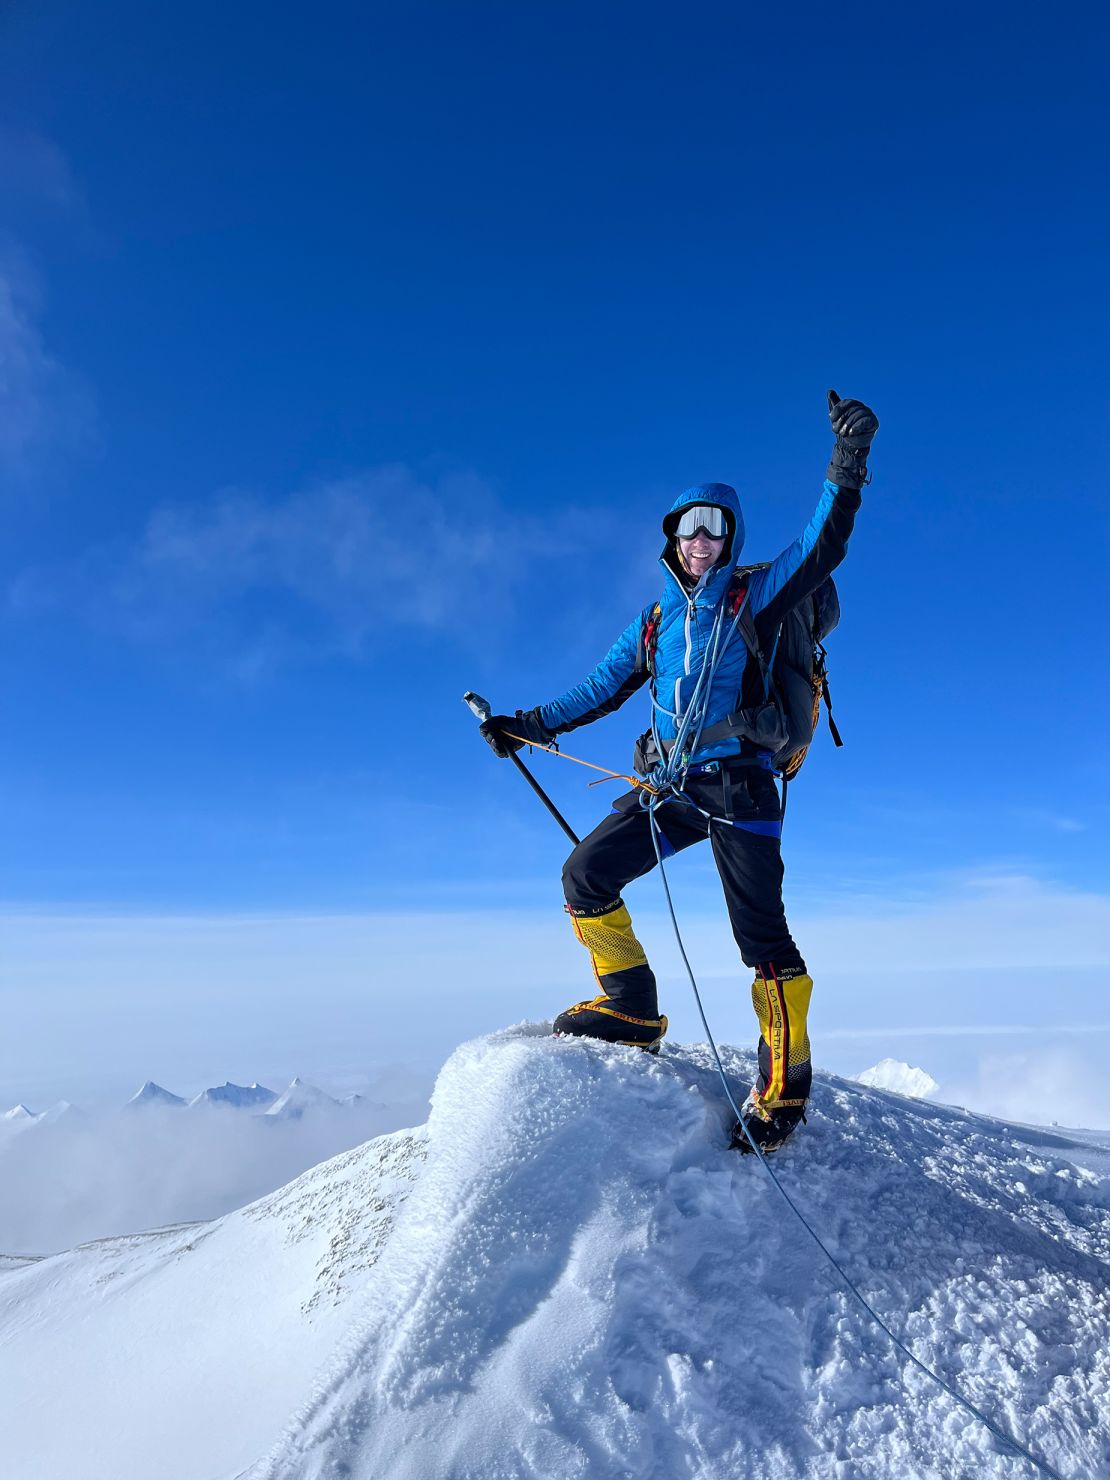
(526, 724)
(855, 425)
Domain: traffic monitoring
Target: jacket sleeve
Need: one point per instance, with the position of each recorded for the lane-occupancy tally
(803, 565)
(619, 674)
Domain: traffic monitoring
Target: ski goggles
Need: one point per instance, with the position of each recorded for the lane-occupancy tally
(701, 516)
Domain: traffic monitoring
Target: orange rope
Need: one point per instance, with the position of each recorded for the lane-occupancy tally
(612, 775)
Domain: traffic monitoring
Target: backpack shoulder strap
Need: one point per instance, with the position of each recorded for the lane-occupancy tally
(737, 599)
(649, 639)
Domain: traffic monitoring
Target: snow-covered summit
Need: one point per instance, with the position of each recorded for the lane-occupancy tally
(900, 1078)
(237, 1096)
(299, 1098)
(583, 1281)
(18, 1118)
(154, 1094)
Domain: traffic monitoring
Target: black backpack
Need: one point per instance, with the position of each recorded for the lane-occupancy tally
(794, 674)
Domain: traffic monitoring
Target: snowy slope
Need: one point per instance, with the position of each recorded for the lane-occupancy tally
(16, 1261)
(582, 1282)
(179, 1353)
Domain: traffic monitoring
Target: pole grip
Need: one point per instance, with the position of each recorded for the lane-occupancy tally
(478, 706)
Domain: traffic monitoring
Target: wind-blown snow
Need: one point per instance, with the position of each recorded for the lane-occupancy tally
(583, 1281)
(901, 1078)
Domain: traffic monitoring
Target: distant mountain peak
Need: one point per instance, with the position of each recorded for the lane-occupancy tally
(19, 1112)
(154, 1094)
(298, 1098)
(903, 1079)
(238, 1096)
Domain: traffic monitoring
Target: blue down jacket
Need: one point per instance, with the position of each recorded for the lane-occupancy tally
(687, 616)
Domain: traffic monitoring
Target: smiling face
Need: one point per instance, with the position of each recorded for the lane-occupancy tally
(699, 553)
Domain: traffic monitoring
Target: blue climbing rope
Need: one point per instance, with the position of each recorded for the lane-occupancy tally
(999, 1433)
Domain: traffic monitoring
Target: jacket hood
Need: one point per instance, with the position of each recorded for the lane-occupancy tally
(724, 497)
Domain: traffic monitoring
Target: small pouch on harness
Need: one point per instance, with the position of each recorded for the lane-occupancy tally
(645, 755)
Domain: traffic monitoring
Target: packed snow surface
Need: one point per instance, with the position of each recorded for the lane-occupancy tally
(581, 1280)
(903, 1079)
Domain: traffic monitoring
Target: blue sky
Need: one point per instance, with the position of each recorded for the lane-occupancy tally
(350, 358)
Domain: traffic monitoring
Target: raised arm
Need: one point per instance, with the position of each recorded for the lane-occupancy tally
(823, 543)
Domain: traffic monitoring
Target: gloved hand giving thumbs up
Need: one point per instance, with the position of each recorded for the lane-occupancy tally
(855, 425)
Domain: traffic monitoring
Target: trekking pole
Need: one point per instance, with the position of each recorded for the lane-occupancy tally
(479, 707)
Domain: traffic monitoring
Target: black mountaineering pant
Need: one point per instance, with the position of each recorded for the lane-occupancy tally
(744, 835)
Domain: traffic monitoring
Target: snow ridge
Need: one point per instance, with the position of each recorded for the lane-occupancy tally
(580, 1280)
(585, 1283)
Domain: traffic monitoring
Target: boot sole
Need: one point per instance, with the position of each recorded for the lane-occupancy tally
(653, 1047)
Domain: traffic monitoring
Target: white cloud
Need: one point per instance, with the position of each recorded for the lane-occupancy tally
(43, 408)
(1048, 1084)
(977, 918)
(1055, 821)
(207, 996)
(261, 580)
(93, 1001)
(92, 1176)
